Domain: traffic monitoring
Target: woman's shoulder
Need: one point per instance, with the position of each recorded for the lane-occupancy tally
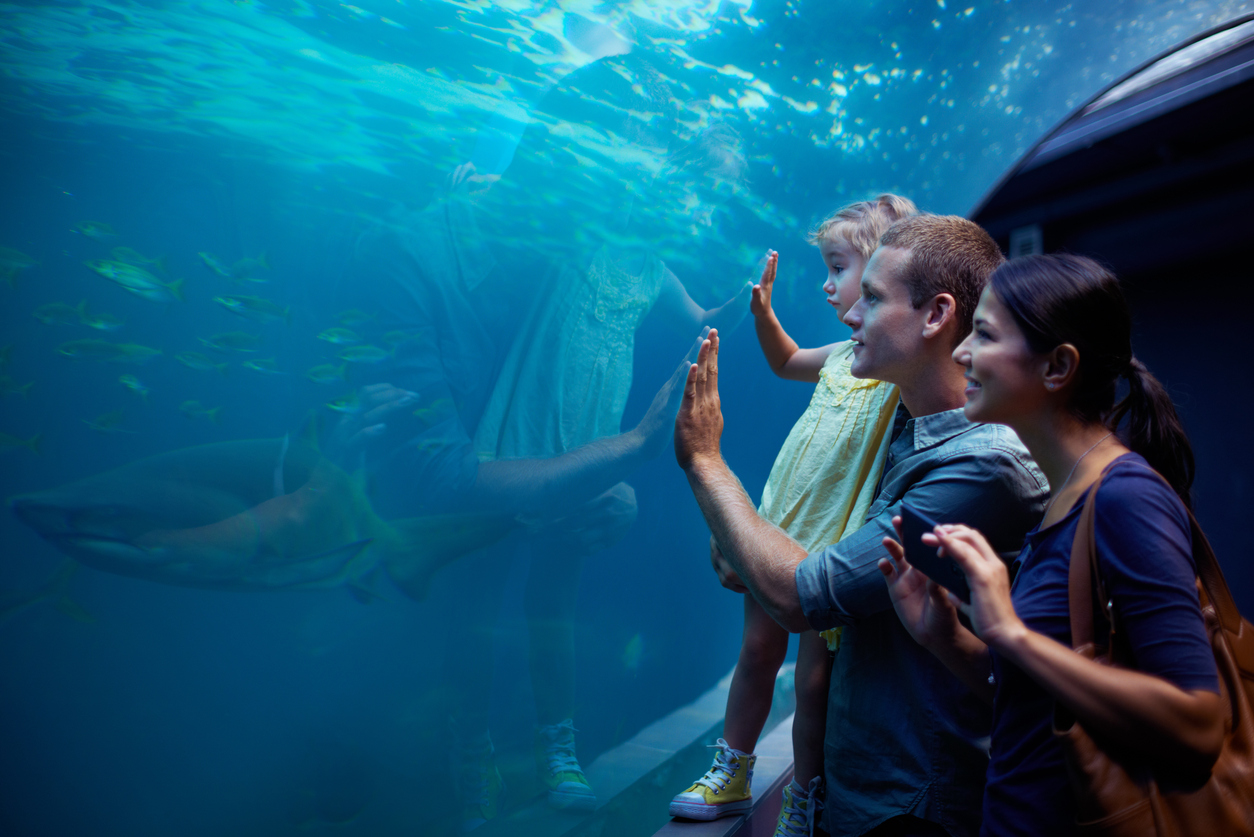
(1130, 480)
(1138, 509)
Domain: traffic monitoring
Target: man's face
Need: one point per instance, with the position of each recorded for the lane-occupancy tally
(887, 329)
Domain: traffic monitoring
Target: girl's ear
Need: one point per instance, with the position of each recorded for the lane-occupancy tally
(1061, 366)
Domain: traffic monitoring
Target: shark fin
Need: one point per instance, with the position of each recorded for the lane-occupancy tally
(310, 430)
(426, 544)
(74, 610)
(363, 589)
(279, 490)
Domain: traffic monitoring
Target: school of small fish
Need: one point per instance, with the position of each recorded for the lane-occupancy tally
(148, 277)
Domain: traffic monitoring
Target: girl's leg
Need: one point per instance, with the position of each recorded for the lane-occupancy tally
(469, 647)
(552, 588)
(814, 671)
(762, 651)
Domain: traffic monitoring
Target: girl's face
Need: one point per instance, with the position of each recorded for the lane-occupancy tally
(1005, 378)
(844, 272)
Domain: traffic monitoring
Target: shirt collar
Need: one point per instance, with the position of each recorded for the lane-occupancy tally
(929, 431)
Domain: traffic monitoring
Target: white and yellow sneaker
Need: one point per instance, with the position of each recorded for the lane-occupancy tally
(559, 770)
(477, 782)
(800, 811)
(724, 790)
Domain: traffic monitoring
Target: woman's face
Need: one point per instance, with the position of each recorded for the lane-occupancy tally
(1005, 378)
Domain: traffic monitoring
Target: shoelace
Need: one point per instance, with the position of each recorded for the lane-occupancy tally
(475, 771)
(559, 747)
(724, 768)
(795, 820)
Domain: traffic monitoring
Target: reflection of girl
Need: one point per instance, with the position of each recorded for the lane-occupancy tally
(566, 378)
(1051, 342)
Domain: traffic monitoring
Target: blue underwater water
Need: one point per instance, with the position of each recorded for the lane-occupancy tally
(252, 147)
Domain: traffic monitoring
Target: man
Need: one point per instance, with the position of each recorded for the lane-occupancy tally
(906, 745)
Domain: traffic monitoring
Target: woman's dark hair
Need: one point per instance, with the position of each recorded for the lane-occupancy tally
(1064, 298)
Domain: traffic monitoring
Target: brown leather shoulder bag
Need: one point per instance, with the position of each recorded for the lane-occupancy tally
(1120, 795)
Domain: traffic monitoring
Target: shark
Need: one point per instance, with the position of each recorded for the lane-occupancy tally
(262, 514)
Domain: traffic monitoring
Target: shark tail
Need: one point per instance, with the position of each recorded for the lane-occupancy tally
(32, 444)
(214, 415)
(263, 260)
(53, 590)
(81, 310)
(425, 545)
(74, 610)
(176, 288)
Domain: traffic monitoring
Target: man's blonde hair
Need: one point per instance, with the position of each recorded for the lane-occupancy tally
(862, 223)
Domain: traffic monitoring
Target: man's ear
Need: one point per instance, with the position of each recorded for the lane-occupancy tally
(942, 310)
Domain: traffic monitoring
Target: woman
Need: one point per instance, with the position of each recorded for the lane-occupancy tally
(1051, 342)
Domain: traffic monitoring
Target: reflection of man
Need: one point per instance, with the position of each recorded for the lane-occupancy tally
(452, 311)
(906, 742)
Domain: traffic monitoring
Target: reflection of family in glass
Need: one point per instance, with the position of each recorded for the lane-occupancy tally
(976, 392)
(520, 367)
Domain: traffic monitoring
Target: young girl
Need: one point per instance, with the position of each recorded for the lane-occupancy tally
(823, 481)
(1051, 343)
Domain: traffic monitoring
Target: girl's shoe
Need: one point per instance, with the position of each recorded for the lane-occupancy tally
(801, 808)
(722, 791)
(477, 782)
(559, 770)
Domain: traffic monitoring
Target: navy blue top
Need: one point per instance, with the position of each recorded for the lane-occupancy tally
(1145, 554)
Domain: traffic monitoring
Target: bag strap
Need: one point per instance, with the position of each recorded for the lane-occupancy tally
(1213, 581)
(1082, 575)
(1080, 584)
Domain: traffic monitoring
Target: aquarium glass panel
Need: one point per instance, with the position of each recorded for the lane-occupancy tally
(341, 346)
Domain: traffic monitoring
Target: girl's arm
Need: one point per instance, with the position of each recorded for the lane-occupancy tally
(786, 358)
(682, 313)
(1147, 714)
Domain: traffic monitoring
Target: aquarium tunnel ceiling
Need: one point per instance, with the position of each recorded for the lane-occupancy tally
(932, 99)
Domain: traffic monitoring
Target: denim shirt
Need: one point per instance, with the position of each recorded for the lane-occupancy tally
(904, 736)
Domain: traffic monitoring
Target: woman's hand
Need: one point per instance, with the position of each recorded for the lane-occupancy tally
(921, 604)
(991, 612)
(356, 430)
(760, 304)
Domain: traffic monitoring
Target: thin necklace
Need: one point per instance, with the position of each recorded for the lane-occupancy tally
(1071, 474)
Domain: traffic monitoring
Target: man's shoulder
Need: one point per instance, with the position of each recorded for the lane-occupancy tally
(994, 444)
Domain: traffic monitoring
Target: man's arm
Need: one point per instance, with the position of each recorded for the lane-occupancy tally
(982, 487)
(764, 558)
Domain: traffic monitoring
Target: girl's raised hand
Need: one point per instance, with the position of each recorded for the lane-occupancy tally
(760, 303)
(991, 611)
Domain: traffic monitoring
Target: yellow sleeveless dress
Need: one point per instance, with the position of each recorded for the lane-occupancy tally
(565, 381)
(824, 478)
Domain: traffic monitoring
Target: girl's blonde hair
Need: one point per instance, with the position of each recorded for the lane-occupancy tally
(862, 223)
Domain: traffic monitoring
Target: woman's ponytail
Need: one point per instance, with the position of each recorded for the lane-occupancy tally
(1148, 424)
